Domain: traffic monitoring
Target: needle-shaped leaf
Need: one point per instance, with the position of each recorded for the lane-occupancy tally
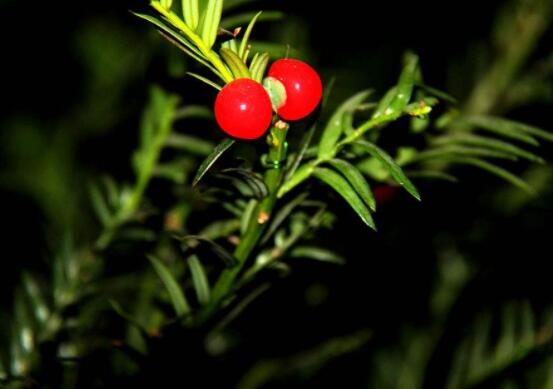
(178, 300)
(258, 66)
(491, 143)
(431, 175)
(318, 254)
(302, 174)
(333, 129)
(235, 64)
(357, 181)
(211, 159)
(388, 162)
(405, 85)
(36, 297)
(282, 215)
(510, 125)
(246, 37)
(191, 13)
(344, 189)
(437, 93)
(205, 80)
(218, 250)
(211, 20)
(190, 144)
(199, 280)
(242, 19)
(100, 205)
(496, 170)
(499, 126)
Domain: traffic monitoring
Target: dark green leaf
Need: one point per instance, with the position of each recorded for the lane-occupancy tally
(496, 170)
(128, 317)
(499, 126)
(513, 126)
(190, 144)
(490, 143)
(211, 159)
(333, 129)
(99, 204)
(175, 292)
(36, 297)
(388, 162)
(282, 215)
(438, 93)
(220, 251)
(344, 189)
(230, 22)
(357, 181)
(317, 253)
(199, 280)
(431, 175)
(254, 181)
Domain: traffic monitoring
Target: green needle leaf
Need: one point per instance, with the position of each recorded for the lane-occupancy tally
(211, 159)
(235, 64)
(340, 185)
(510, 125)
(357, 181)
(394, 169)
(199, 279)
(499, 126)
(489, 143)
(175, 292)
(333, 129)
(205, 80)
(318, 254)
(246, 38)
(211, 20)
(405, 84)
(191, 13)
(258, 66)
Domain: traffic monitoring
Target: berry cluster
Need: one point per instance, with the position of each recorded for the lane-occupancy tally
(243, 108)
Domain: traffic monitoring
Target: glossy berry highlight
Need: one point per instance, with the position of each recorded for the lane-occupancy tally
(303, 86)
(243, 109)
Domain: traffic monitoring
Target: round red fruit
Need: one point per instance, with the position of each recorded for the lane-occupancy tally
(243, 109)
(303, 88)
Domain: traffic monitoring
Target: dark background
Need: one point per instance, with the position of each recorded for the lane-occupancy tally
(80, 71)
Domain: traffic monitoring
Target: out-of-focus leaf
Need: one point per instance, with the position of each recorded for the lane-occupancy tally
(333, 129)
(235, 64)
(446, 151)
(36, 298)
(117, 308)
(211, 159)
(512, 125)
(438, 93)
(431, 175)
(498, 126)
(211, 20)
(356, 179)
(282, 215)
(246, 37)
(496, 170)
(220, 228)
(244, 18)
(217, 249)
(99, 204)
(317, 253)
(176, 294)
(199, 280)
(253, 180)
(394, 169)
(247, 215)
(490, 143)
(191, 13)
(344, 189)
(190, 144)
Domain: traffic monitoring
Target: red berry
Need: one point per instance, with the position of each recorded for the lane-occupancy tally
(303, 87)
(243, 109)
